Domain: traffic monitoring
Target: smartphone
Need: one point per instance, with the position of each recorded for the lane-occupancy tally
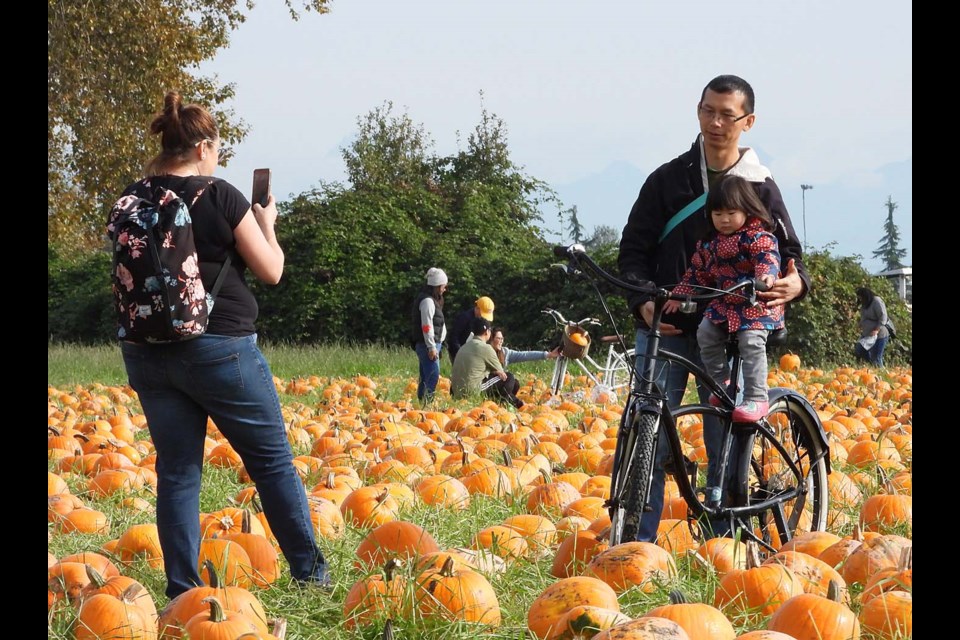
(261, 186)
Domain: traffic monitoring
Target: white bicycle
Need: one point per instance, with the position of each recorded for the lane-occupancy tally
(614, 373)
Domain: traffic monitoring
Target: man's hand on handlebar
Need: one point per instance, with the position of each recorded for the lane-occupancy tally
(783, 289)
(646, 312)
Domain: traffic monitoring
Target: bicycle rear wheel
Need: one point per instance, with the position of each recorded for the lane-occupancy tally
(633, 477)
(621, 365)
(800, 462)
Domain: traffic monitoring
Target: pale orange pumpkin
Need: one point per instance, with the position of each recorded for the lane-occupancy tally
(546, 614)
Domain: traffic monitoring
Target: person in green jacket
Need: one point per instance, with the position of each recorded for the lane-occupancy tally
(477, 367)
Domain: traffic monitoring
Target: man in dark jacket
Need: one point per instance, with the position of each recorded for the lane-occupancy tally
(482, 308)
(659, 239)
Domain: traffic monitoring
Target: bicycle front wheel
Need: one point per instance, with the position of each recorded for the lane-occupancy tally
(793, 459)
(634, 479)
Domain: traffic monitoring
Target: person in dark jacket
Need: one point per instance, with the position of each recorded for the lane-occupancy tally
(660, 238)
(873, 326)
(481, 308)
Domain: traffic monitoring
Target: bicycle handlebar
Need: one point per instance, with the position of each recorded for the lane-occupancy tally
(559, 319)
(575, 253)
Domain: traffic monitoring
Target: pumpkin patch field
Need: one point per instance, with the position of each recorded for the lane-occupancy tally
(467, 518)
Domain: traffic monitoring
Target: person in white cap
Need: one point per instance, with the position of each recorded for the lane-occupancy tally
(428, 332)
(481, 308)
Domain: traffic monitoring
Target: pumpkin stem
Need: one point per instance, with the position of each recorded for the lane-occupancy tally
(217, 613)
(753, 555)
(546, 475)
(906, 558)
(857, 533)
(392, 565)
(447, 569)
(279, 628)
(214, 580)
(833, 591)
(507, 460)
(698, 559)
(97, 580)
(678, 597)
(245, 521)
(387, 630)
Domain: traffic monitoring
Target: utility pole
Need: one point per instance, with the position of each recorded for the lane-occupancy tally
(803, 195)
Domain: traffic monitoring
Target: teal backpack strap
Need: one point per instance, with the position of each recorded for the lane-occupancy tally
(682, 215)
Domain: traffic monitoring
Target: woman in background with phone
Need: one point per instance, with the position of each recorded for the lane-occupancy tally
(221, 375)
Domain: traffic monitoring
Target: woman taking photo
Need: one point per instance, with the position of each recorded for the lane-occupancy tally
(221, 374)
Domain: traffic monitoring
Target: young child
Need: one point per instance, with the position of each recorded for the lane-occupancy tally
(740, 248)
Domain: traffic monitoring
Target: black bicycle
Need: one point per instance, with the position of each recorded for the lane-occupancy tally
(773, 472)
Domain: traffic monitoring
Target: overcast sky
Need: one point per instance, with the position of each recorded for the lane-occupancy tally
(594, 95)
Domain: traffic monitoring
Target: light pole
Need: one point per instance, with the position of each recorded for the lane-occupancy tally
(803, 195)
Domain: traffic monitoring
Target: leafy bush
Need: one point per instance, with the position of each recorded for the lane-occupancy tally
(79, 300)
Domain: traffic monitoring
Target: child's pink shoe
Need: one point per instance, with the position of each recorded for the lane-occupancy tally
(714, 400)
(750, 411)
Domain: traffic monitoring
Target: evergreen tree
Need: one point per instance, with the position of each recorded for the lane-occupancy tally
(889, 250)
(573, 226)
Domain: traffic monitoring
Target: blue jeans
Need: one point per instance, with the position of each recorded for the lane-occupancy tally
(875, 354)
(228, 379)
(673, 380)
(429, 373)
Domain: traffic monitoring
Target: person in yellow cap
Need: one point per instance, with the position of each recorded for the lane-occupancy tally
(481, 308)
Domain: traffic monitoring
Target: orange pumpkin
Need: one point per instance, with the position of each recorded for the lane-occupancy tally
(218, 623)
(104, 615)
(632, 564)
(457, 594)
(699, 620)
(812, 617)
(381, 595)
(396, 539)
(645, 629)
(546, 615)
(889, 615)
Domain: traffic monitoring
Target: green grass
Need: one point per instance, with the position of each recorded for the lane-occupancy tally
(313, 614)
(69, 365)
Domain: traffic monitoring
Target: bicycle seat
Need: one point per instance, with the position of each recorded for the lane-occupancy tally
(610, 340)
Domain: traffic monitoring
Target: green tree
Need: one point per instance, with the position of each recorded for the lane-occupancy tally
(889, 250)
(388, 150)
(603, 236)
(356, 254)
(108, 65)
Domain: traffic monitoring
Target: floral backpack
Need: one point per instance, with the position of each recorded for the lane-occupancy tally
(156, 274)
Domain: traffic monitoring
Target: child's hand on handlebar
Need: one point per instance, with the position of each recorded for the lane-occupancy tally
(671, 306)
(784, 289)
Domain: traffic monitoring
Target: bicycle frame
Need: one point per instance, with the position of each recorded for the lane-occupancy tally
(605, 374)
(647, 414)
(597, 373)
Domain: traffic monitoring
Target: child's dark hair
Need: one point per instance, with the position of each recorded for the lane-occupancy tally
(734, 192)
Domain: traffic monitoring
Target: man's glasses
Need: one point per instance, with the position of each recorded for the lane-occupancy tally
(710, 115)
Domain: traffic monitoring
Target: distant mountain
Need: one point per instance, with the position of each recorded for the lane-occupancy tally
(846, 215)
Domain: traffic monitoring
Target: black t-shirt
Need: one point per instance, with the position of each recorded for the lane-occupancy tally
(215, 215)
